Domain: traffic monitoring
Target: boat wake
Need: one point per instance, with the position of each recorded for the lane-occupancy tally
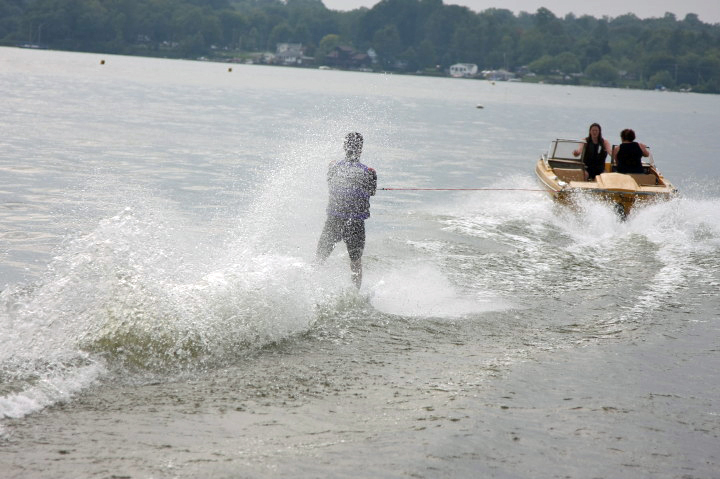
(136, 297)
(612, 275)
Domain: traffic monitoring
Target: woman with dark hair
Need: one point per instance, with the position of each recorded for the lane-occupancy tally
(628, 155)
(595, 151)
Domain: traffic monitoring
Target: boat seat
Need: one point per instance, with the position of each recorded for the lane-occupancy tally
(570, 174)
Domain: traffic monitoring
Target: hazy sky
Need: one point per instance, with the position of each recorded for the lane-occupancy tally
(707, 10)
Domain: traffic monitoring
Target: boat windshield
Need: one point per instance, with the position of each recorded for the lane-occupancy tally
(563, 149)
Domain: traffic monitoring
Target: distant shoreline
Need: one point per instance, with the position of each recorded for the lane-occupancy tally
(536, 79)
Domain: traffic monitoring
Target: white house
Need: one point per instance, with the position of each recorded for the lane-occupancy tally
(289, 53)
(460, 70)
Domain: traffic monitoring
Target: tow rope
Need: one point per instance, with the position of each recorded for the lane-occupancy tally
(461, 189)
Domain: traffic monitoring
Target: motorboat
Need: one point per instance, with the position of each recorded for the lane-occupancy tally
(563, 176)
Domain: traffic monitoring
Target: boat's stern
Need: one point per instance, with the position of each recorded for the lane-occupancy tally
(563, 176)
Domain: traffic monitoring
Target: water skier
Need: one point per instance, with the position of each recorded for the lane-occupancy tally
(350, 186)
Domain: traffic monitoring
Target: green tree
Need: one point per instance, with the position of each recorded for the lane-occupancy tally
(531, 47)
(281, 33)
(410, 58)
(232, 24)
(252, 39)
(709, 69)
(544, 65)
(467, 44)
(327, 44)
(659, 62)
(439, 29)
(387, 44)
(10, 18)
(426, 55)
(193, 45)
(568, 62)
(544, 18)
(662, 79)
(602, 72)
(404, 15)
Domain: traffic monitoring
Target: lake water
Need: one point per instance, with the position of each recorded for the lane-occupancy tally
(160, 314)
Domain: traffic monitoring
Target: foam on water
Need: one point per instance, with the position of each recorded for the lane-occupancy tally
(628, 270)
(522, 234)
(150, 290)
(50, 388)
(124, 294)
(422, 290)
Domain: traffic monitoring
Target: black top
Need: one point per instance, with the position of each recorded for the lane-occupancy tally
(594, 158)
(629, 158)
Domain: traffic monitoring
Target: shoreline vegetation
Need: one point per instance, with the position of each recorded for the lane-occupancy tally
(418, 37)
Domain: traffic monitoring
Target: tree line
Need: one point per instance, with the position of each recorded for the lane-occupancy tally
(424, 36)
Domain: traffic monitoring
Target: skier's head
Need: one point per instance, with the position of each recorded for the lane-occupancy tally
(353, 145)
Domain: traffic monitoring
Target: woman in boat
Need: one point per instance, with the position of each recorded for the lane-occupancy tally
(628, 155)
(595, 152)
